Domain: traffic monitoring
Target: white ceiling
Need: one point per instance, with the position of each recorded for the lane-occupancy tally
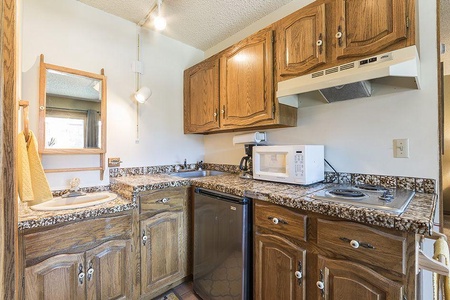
(199, 23)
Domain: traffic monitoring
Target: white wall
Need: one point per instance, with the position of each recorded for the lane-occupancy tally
(358, 134)
(72, 34)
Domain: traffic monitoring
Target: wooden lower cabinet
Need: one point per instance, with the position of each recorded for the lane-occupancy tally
(100, 273)
(108, 274)
(163, 252)
(341, 279)
(279, 268)
(332, 256)
(55, 278)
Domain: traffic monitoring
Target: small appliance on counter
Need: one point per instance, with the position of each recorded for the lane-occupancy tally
(246, 165)
(297, 164)
(249, 140)
(366, 195)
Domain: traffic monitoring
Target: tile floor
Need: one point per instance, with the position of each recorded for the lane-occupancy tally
(185, 291)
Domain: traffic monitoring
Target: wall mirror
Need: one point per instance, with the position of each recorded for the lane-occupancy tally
(72, 111)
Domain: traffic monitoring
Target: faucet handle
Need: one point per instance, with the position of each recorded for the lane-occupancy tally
(200, 165)
(74, 183)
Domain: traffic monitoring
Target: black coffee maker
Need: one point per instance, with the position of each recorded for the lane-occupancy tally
(246, 162)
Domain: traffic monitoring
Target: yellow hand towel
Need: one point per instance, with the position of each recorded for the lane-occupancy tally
(31, 176)
(441, 284)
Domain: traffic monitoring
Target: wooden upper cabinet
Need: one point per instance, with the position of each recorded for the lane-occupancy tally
(108, 272)
(364, 27)
(246, 82)
(201, 97)
(301, 41)
(56, 278)
(342, 279)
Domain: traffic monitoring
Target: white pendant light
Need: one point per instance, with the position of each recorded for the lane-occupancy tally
(143, 94)
(159, 22)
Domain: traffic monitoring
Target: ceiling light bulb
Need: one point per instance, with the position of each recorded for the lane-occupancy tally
(143, 94)
(160, 23)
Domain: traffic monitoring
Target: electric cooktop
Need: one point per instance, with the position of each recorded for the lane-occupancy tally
(366, 195)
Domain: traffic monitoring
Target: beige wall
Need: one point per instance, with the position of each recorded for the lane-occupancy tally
(358, 134)
(72, 34)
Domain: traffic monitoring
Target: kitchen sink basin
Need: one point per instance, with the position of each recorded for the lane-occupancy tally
(193, 174)
(90, 199)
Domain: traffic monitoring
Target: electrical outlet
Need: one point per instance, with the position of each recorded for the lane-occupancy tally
(401, 148)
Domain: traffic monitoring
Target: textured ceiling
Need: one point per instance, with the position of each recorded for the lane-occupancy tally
(199, 23)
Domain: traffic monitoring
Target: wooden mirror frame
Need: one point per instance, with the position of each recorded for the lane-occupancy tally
(42, 109)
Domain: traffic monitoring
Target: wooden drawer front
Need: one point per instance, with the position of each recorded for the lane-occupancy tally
(280, 220)
(362, 243)
(76, 236)
(165, 199)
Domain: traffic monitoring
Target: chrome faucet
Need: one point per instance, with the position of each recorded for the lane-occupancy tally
(74, 189)
(200, 165)
(185, 164)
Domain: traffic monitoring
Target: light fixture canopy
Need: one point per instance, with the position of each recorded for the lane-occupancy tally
(159, 22)
(142, 94)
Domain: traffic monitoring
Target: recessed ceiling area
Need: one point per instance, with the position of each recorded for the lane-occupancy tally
(198, 23)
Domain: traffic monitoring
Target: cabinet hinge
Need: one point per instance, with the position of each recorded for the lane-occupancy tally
(273, 111)
(407, 22)
(272, 38)
(23, 282)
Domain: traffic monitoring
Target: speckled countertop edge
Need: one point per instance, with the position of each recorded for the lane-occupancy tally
(29, 218)
(414, 219)
(418, 216)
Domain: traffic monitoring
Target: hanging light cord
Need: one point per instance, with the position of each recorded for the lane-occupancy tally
(138, 83)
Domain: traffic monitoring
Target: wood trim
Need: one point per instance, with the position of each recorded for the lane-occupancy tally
(73, 169)
(9, 268)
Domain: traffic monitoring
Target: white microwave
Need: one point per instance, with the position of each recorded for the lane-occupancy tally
(297, 164)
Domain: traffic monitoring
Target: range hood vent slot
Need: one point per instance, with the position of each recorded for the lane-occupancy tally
(400, 67)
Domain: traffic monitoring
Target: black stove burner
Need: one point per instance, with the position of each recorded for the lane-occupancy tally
(370, 187)
(347, 193)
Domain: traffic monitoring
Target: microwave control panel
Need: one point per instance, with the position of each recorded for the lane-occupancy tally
(299, 164)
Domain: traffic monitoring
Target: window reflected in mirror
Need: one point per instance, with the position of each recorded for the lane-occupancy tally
(72, 117)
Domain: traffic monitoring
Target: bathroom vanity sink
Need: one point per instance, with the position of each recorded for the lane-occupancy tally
(90, 199)
(193, 174)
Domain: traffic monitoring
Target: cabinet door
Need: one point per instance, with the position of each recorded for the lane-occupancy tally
(346, 280)
(278, 264)
(162, 262)
(301, 41)
(366, 26)
(56, 278)
(201, 97)
(246, 82)
(108, 271)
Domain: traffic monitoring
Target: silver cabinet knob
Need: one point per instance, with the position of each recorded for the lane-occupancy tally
(319, 43)
(298, 274)
(165, 200)
(81, 277)
(354, 244)
(275, 221)
(320, 285)
(338, 35)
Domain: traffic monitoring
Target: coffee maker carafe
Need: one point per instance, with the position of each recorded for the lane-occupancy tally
(246, 162)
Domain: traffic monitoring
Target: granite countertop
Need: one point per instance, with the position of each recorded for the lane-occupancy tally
(29, 218)
(418, 216)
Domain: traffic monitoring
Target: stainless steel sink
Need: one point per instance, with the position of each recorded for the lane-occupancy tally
(193, 174)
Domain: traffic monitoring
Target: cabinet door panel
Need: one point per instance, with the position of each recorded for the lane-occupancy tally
(201, 97)
(277, 260)
(369, 26)
(298, 48)
(246, 93)
(111, 277)
(56, 278)
(347, 280)
(161, 257)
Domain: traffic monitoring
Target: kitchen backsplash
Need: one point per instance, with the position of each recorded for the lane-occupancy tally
(421, 185)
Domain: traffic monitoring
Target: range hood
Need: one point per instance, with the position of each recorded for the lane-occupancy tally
(352, 80)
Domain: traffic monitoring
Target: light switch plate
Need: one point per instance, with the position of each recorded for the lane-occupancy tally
(401, 148)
